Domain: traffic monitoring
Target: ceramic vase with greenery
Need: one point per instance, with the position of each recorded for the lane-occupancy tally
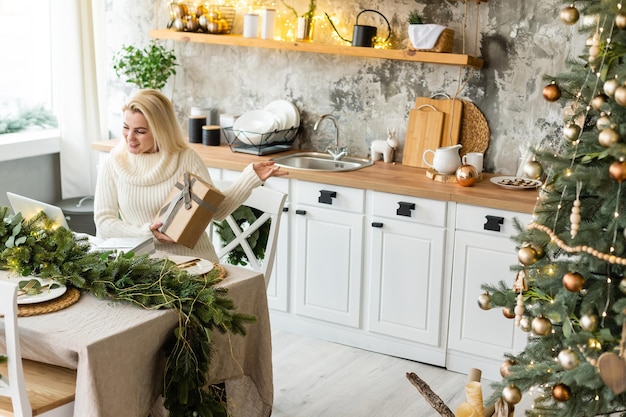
(150, 67)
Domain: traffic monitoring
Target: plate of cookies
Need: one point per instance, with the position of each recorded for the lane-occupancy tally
(516, 183)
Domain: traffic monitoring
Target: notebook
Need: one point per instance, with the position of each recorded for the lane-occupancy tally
(30, 208)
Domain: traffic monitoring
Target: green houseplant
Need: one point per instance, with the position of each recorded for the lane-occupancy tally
(149, 67)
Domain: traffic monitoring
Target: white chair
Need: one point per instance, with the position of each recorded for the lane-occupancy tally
(271, 203)
(29, 388)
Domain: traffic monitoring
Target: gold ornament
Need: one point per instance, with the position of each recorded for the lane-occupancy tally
(505, 368)
(524, 324)
(620, 20)
(484, 301)
(508, 312)
(617, 171)
(568, 359)
(527, 255)
(604, 122)
(571, 132)
(608, 137)
(620, 95)
(573, 281)
(561, 392)
(541, 326)
(552, 92)
(511, 394)
(533, 170)
(622, 283)
(610, 86)
(466, 175)
(570, 15)
(589, 322)
(538, 249)
(598, 101)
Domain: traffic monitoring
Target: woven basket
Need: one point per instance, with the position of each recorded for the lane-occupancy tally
(444, 43)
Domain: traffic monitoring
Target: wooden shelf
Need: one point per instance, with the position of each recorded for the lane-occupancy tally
(318, 48)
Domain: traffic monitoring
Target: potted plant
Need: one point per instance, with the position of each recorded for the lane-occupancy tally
(305, 21)
(149, 67)
(426, 36)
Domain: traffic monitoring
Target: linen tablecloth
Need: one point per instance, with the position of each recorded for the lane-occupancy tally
(116, 349)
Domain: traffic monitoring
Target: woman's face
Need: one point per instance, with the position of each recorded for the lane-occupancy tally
(137, 134)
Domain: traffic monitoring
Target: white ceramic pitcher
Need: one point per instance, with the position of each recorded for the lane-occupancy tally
(445, 160)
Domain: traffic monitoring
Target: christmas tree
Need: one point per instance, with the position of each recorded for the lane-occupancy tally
(569, 289)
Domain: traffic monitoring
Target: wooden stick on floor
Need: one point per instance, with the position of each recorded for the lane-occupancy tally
(433, 399)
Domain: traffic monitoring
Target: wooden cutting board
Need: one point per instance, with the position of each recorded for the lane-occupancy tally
(423, 132)
(453, 111)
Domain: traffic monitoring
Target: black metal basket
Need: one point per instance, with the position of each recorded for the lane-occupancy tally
(260, 143)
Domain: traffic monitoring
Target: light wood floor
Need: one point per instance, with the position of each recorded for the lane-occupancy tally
(314, 378)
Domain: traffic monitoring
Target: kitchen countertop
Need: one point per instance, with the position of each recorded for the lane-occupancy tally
(390, 178)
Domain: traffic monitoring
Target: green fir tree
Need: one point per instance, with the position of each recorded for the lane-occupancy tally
(569, 293)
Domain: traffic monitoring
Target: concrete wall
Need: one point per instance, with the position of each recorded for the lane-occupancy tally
(519, 40)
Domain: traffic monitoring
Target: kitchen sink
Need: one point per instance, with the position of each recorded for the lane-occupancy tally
(318, 161)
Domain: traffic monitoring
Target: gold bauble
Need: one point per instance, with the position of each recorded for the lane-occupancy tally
(527, 255)
(589, 322)
(573, 281)
(622, 283)
(524, 324)
(561, 392)
(552, 92)
(571, 131)
(598, 101)
(620, 95)
(511, 394)
(604, 122)
(508, 312)
(533, 170)
(617, 171)
(484, 301)
(569, 15)
(610, 86)
(505, 368)
(568, 359)
(608, 137)
(541, 326)
(539, 250)
(466, 175)
(620, 20)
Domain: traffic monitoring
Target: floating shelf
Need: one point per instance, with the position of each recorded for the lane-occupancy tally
(318, 48)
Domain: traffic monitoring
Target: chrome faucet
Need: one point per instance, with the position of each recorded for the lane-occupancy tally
(338, 152)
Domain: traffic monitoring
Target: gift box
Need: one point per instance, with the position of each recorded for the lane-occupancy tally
(188, 210)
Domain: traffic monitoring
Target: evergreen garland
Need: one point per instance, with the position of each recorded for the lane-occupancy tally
(27, 117)
(37, 247)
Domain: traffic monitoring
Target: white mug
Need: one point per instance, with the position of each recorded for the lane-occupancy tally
(474, 159)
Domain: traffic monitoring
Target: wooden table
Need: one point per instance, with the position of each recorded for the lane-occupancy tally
(116, 349)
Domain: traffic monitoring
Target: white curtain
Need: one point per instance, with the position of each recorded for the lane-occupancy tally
(78, 89)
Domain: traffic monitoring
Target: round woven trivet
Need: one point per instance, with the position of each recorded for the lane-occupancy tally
(474, 129)
(221, 272)
(70, 297)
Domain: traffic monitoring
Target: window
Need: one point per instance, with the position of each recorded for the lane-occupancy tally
(25, 66)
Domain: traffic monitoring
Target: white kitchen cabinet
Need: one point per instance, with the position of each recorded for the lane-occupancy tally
(483, 253)
(406, 274)
(327, 252)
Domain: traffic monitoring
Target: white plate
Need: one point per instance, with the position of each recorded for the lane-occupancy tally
(45, 295)
(250, 126)
(516, 183)
(200, 267)
(288, 112)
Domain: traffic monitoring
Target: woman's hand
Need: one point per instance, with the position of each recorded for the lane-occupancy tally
(161, 237)
(267, 169)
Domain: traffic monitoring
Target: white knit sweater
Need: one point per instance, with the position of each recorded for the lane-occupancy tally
(132, 188)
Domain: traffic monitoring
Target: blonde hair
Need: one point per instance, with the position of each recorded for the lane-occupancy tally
(161, 117)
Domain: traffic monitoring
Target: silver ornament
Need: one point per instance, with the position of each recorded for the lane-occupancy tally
(524, 324)
(571, 132)
(484, 301)
(610, 86)
(589, 322)
(568, 359)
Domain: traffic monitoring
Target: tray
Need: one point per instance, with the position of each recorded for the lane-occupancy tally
(270, 142)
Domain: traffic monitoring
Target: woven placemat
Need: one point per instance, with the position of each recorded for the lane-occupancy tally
(70, 297)
(474, 129)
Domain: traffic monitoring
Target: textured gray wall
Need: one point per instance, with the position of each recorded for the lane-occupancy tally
(519, 40)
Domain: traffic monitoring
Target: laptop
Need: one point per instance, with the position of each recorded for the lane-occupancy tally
(30, 208)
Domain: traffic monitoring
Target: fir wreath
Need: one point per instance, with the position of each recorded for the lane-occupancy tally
(244, 216)
(37, 247)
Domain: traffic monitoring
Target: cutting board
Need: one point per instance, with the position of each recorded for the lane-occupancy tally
(453, 111)
(423, 132)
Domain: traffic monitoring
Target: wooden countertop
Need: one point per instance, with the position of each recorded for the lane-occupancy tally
(391, 178)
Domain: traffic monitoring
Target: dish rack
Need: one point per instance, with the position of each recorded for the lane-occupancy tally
(270, 142)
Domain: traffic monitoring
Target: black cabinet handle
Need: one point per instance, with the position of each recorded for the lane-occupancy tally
(303, 212)
(326, 196)
(493, 223)
(285, 209)
(404, 208)
(377, 224)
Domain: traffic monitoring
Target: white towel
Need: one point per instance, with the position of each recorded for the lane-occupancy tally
(425, 36)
